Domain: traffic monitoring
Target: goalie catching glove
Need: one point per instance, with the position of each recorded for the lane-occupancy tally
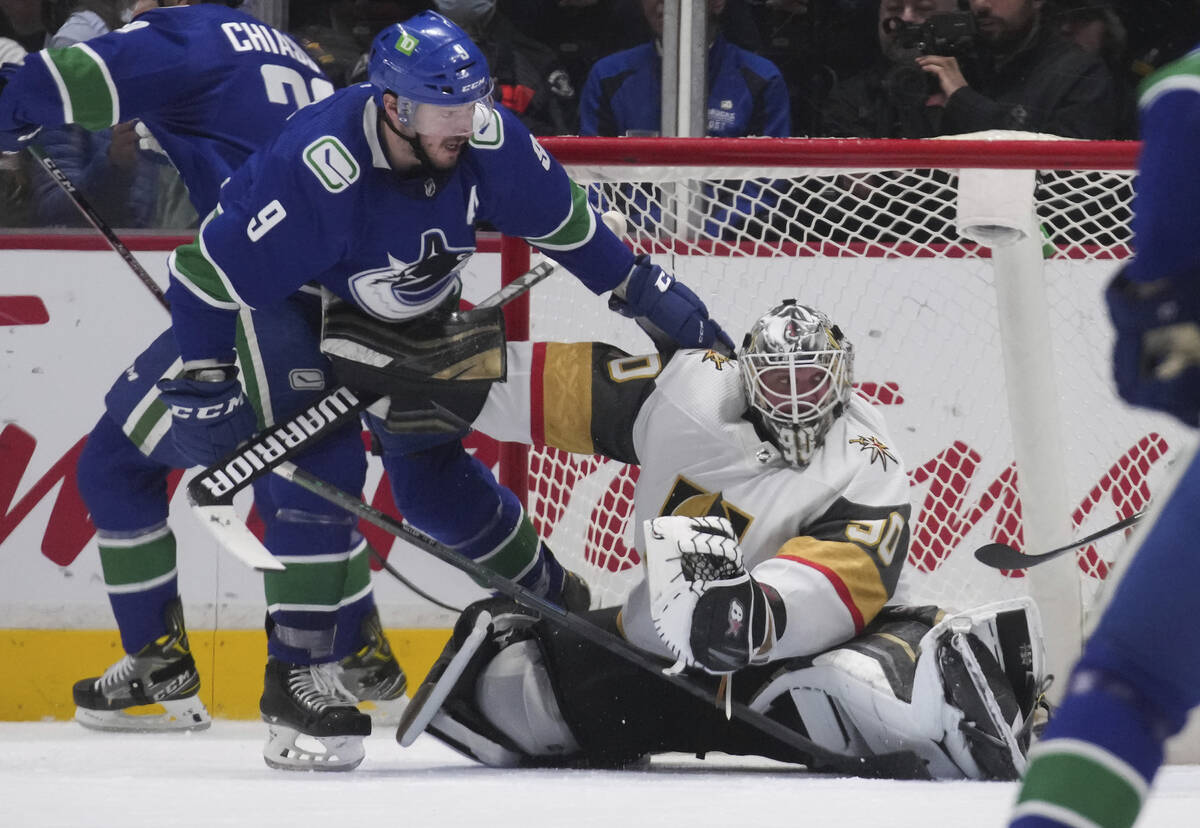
(705, 606)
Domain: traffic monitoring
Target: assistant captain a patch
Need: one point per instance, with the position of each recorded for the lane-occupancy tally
(879, 450)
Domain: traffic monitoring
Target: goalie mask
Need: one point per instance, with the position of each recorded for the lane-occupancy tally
(440, 78)
(797, 367)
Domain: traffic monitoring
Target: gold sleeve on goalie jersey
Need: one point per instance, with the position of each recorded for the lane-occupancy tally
(586, 396)
(860, 551)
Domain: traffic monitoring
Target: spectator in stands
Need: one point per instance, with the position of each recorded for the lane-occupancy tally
(814, 43)
(15, 202)
(26, 21)
(1095, 27)
(746, 93)
(893, 97)
(529, 79)
(1026, 77)
(337, 52)
(106, 166)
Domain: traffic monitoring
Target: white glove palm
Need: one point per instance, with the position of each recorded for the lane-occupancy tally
(702, 600)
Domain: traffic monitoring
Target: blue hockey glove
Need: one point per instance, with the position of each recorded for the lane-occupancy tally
(210, 413)
(1156, 359)
(669, 305)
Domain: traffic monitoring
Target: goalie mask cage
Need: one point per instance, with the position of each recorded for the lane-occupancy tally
(969, 276)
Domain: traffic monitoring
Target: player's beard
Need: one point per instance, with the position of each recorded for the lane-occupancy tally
(443, 152)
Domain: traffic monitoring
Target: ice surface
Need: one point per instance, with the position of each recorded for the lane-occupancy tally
(59, 775)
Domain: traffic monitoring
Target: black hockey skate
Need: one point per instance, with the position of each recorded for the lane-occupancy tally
(576, 595)
(373, 676)
(301, 700)
(160, 677)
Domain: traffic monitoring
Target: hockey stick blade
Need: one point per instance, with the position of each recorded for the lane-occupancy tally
(1003, 556)
(900, 764)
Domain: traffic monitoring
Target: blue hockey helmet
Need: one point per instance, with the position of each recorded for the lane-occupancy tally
(439, 76)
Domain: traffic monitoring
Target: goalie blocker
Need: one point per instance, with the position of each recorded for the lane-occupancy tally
(959, 691)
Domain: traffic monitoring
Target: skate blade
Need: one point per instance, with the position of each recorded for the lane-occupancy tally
(289, 749)
(163, 717)
(385, 712)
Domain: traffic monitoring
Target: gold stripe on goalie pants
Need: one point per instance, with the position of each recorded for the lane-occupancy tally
(566, 394)
(40, 667)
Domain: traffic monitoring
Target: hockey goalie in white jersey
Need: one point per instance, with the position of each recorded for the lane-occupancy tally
(772, 515)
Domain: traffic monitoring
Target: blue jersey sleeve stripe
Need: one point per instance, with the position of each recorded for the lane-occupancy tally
(68, 113)
(194, 269)
(1166, 85)
(86, 86)
(188, 266)
(576, 229)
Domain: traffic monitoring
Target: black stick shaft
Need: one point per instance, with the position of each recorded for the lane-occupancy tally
(1003, 556)
(96, 221)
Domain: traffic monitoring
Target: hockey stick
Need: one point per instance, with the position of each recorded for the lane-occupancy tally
(100, 224)
(1003, 556)
(212, 490)
(896, 765)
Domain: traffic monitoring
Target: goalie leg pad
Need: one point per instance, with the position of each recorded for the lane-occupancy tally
(941, 690)
(447, 703)
(515, 694)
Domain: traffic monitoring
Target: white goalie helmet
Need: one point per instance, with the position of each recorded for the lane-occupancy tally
(798, 369)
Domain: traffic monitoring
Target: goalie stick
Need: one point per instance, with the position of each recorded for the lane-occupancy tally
(895, 765)
(1003, 556)
(60, 178)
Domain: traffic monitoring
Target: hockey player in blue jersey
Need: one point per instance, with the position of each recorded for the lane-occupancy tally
(212, 84)
(1140, 670)
(370, 198)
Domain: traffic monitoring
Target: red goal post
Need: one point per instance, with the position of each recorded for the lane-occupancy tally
(969, 275)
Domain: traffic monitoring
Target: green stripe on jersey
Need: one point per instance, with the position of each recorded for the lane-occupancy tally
(576, 229)
(1180, 74)
(253, 376)
(139, 564)
(88, 86)
(517, 554)
(322, 583)
(1088, 785)
(147, 425)
(191, 264)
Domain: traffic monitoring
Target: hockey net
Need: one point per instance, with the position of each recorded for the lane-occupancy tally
(948, 333)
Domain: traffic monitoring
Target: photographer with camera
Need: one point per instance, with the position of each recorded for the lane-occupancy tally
(1024, 76)
(894, 97)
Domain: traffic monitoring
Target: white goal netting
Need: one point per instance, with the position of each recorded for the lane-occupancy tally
(977, 355)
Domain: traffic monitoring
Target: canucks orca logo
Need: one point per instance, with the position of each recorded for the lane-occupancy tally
(402, 289)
